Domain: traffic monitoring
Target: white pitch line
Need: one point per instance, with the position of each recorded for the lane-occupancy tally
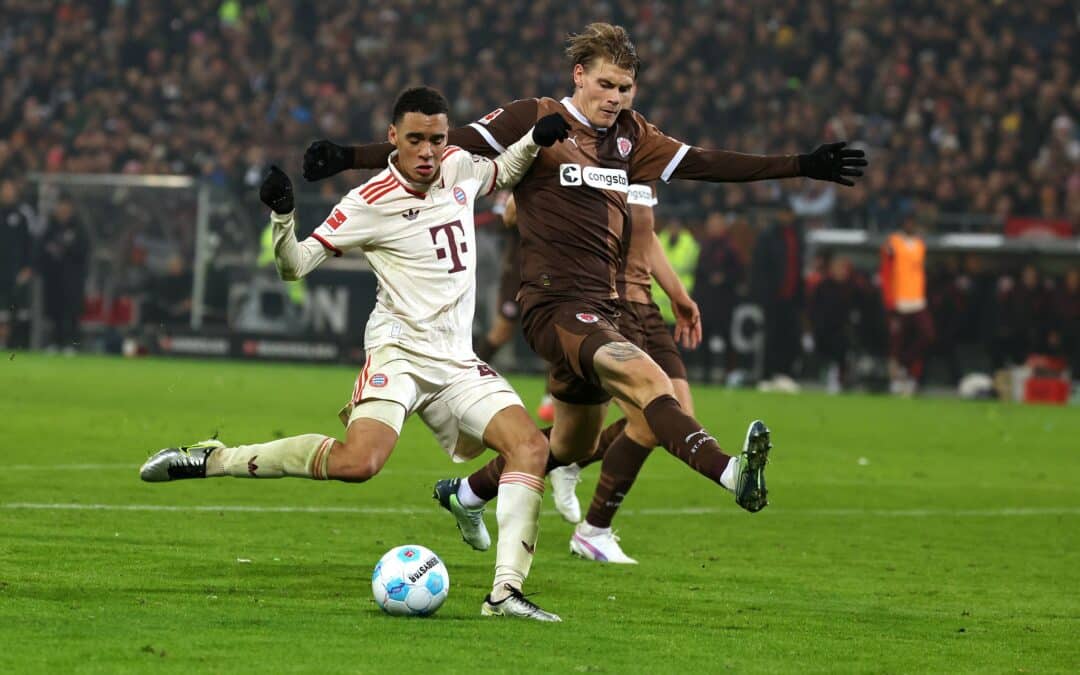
(441, 473)
(135, 467)
(72, 467)
(687, 511)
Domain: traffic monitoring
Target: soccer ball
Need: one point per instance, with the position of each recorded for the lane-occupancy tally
(410, 580)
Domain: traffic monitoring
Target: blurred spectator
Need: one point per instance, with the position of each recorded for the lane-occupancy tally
(948, 298)
(832, 305)
(1064, 331)
(1032, 315)
(16, 217)
(1021, 317)
(1007, 339)
(911, 328)
(717, 281)
(168, 304)
(776, 283)
(62, 264)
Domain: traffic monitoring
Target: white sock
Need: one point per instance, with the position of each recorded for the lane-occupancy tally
(729, 478)
(304, 456)
(587, 529)
(467, 497)
(518, 513)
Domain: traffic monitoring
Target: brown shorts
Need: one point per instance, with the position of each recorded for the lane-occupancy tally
(567, 332)
(642, 324)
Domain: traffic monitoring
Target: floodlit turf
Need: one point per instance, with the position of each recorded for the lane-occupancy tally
(921, 535)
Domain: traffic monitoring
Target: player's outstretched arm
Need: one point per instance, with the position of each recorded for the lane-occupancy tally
(294, 260)
(517, 159)
(831, 162)
(324, 158)
(486, 137)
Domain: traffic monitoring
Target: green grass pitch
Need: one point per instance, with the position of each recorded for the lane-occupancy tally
(903, 535)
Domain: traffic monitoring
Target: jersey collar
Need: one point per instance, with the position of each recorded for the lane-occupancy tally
(568, 103)
(418, 191)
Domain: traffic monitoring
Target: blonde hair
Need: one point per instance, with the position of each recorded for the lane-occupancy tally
(603, 41)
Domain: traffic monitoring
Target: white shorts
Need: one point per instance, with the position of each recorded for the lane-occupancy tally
(456, 399)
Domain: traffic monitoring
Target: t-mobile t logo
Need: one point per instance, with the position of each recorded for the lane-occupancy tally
(452, 244)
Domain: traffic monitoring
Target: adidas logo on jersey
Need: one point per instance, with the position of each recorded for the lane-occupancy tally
(411, 214)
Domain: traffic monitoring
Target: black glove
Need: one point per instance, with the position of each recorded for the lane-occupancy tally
(832, 162)
(550, 129)
(276, 191)
(323, 159)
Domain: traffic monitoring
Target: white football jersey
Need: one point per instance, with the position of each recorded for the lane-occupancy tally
(422, 248)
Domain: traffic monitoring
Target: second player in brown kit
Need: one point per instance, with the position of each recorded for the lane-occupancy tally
(625, 444)
(572, 210)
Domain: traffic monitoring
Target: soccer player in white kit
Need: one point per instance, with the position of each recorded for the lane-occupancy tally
(414, 223)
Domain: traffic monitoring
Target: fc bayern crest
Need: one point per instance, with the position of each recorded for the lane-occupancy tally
(459, 196)
(625, 146)
(379, 380)
(585, 317)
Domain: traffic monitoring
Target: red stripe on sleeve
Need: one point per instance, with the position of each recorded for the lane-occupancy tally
(327, 245)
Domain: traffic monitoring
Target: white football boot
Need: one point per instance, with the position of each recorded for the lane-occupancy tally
(564, 480)
(516, 605)
(470, 522)
(599, 544)
(187, 461)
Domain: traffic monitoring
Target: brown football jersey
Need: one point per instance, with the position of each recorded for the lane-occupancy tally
(572, 204)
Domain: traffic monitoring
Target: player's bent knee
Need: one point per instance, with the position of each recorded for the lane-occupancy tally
(528, 451)
(533, 450)
(354, 463)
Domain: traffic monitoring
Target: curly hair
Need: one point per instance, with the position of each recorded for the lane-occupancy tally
(423, 100)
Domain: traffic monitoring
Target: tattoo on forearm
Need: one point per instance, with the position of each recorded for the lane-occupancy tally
(623, 351)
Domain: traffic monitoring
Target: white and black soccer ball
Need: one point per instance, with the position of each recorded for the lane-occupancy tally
(410, 580)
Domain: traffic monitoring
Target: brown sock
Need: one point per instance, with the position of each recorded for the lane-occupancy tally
(684, 437)
(622, 463)
(485, 480)
(607, 437)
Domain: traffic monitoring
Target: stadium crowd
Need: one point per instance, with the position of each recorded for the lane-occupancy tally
(970, 109)
(969, 106)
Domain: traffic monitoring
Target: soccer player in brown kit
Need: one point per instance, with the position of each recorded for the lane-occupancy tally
(640, 321)
(572, 210)
(626, 444)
